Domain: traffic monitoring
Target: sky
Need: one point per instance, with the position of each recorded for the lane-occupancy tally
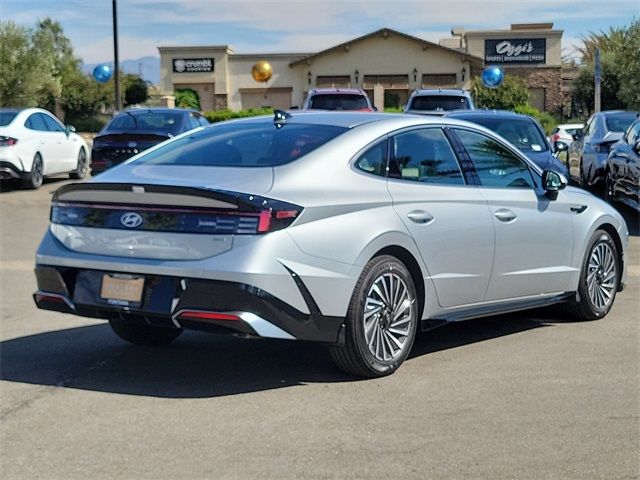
(288, 26)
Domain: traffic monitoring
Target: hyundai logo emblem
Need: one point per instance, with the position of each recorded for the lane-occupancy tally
(131, 220)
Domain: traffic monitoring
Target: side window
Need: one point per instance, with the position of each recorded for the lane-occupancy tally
(52, 125)
(424, 156)
(591, 126)
(374, 160)
(203, 121)
(633, 134)
(496, 165)
(36, 122)
(193, 121)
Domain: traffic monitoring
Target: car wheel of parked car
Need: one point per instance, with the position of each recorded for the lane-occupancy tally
(33, 179)
(141, 334)
(381, 320)
(608, 187)
(81, 169)
(598, 279)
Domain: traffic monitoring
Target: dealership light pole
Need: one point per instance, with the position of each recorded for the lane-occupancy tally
(116, 69)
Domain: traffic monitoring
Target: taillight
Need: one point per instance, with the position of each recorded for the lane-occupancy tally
(555, 137)
(277, 219)
(7, 141)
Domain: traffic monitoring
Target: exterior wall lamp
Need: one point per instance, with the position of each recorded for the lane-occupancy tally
(357, 75)
(463, 73)
(309, 77)
(415, 74)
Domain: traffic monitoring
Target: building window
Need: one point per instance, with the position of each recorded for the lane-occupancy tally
(439, 80)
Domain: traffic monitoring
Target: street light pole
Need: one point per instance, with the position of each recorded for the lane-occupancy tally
(115, 54)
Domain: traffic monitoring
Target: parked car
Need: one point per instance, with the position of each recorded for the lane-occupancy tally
(429, 101)
(564, 133)
(522, 131)
(591, 146)
(35, 144)
(133, 131)
(622, 171)
(351, 229)
(338, 99)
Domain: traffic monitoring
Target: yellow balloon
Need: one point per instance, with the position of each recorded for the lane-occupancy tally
(261, 71)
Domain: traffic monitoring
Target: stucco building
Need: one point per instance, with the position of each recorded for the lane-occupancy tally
(388, 60)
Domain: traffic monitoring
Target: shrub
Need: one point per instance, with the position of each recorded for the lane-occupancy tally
(512, 93)
(187, 98)
(548, 121)
(221, 115)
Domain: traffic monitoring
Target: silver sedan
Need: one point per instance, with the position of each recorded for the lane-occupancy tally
(352, 229)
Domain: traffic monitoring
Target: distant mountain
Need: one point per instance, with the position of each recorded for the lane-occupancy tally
(147, 67)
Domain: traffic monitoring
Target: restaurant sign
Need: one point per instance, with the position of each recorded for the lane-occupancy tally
(190, 65)
(521, 50)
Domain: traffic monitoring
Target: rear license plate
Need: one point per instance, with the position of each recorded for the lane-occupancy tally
(119, 289)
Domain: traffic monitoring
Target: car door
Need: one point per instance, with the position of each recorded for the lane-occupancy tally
(64, 144)
(448, 219)
(624, 164)
(533, 235)
(46, 142)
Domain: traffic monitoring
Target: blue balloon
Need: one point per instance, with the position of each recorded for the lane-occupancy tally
(102, 73)
(492, 77)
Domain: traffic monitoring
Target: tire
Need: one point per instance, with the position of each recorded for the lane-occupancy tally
(609, 195)
(33, 179)
(81, 169)
(141, 334)
(599, 279)
(382, 348)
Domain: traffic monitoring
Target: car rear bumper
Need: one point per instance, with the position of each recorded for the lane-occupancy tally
(189, 303)
(9, 170)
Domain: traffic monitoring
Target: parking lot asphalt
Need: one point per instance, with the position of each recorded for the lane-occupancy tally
(526, 395)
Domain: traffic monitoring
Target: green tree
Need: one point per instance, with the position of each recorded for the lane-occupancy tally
(187, 98)
(620, 74)
(510, 94)
(22, 70)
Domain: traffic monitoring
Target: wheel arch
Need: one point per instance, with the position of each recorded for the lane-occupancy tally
(611, 230)
(407, 258)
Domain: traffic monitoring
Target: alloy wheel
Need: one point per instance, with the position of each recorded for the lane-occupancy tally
(388, 311)
(601, 275)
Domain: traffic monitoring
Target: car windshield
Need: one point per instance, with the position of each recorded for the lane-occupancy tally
(439, 103)
(618, 122)
(6, 117)
(243, 145)
(338, 101)
(522, 133)
(147, 120)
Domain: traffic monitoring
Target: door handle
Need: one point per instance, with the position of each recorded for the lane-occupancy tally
(504, 215)
(419, 216)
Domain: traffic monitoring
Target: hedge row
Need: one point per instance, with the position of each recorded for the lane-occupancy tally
(221, 115)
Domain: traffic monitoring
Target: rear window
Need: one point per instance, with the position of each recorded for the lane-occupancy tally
(439, 103)
(573, 131)
(341, 101)
(619, 122)
(243, 145)
(165, 121)
(6, 118)
(521, 133)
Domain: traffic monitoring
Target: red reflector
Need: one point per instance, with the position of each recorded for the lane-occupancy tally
(194, 314)
(49, 298)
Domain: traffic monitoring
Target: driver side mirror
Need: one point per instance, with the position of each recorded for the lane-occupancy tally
(553, 182)
(70, 129)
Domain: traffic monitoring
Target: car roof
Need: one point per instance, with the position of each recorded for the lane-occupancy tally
(157, 110)
(11, 110)
(499, 114)
(440, 91)
(351, 91)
